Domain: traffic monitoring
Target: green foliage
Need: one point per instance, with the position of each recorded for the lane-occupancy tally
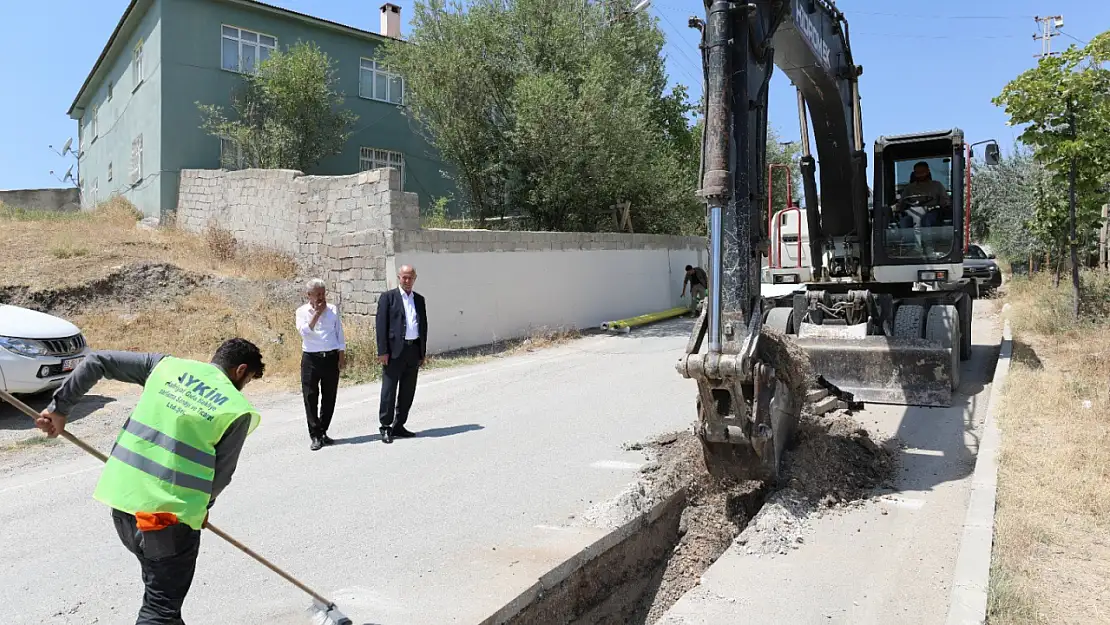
(289, 115)
(552, 109)
(1065, 104)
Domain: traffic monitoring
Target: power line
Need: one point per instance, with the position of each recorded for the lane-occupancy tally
(1071, 37)
(942, 17)
(693, 64)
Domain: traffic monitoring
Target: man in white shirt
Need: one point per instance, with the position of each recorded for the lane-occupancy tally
(402, 337)
(322, 359)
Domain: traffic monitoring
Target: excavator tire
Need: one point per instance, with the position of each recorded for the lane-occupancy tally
(943, 327)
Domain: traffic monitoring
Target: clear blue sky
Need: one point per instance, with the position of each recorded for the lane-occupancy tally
(927, 65)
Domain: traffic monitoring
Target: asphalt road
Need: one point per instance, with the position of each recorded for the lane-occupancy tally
(443, 528)
(890, 560)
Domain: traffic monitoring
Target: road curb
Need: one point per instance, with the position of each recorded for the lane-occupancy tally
(967, 604)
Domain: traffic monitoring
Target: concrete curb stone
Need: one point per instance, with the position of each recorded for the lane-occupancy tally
(967, 603)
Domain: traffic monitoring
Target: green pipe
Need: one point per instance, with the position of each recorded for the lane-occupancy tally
(627, 324)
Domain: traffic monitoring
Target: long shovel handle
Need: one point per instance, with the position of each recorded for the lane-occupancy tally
(27, 410)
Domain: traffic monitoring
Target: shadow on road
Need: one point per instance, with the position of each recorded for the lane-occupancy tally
(12, 419)
(429, 433)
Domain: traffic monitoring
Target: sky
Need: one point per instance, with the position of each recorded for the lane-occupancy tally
(927, 65)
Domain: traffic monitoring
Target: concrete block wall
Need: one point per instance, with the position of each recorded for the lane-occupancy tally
(481, 286)
(61, 200)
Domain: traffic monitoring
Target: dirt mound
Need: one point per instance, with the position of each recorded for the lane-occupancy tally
(833, 462)
(127, 285)
(145, 284)
(834, 459)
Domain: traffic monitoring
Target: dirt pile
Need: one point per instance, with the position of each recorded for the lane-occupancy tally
(834, 460)
(146, 284)
(126, 285)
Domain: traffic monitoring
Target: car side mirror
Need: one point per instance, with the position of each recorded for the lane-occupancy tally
(991, 256)
(991, 154)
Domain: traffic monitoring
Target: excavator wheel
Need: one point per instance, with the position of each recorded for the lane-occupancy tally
(943, 326)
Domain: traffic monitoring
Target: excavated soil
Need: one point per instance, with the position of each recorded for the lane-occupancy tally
(833, 463)
(143, 284)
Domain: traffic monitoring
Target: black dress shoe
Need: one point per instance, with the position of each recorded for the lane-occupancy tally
(387, 435)
(401, 432)
(316, 444)
(327, 440)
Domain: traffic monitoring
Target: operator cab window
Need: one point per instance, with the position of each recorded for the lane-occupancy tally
(920, 221)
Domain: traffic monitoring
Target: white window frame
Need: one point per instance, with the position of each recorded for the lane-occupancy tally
(136, 159)
(377, 158)
(226, 144)
(137, 65)
(95, 130)
(95, 190)
(109, 171)
(374, 69)
(253, 39)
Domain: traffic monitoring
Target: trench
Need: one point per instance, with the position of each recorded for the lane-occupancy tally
(631, 576)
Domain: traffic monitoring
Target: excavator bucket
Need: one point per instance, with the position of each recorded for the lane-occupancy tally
(885, 370)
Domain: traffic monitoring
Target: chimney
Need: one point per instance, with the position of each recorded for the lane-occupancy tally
(391, 21)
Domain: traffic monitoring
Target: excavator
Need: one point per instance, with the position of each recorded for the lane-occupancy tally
(882, 313)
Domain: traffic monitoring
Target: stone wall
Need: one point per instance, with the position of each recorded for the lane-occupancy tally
(66, 199)
(482, 286)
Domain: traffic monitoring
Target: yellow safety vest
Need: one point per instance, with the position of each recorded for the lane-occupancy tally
(164, 459)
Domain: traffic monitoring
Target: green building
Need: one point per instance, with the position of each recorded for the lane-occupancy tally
(139, 124)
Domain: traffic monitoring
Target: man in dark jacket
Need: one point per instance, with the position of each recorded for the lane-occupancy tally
(402, 333)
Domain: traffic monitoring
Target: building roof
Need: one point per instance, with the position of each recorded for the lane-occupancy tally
(131, 13)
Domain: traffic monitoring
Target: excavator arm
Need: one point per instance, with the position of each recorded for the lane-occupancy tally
(747, 406)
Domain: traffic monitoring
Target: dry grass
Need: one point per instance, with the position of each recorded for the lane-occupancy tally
(1052, 544)
(56, 250)
(51, 250)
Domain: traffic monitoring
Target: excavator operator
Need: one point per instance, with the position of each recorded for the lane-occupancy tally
(922, 183)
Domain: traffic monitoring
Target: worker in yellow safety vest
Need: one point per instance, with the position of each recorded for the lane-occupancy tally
(173, 456)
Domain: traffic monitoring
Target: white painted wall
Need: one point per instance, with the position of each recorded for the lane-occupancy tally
(476, 298)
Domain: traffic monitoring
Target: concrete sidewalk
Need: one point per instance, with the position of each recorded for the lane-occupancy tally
(890, 560)
(444, 528)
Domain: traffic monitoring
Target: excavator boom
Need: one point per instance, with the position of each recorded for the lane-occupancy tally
(852, 326)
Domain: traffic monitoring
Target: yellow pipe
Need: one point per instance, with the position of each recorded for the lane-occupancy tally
(626, 324)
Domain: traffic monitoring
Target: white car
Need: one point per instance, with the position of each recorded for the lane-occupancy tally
(37, 351)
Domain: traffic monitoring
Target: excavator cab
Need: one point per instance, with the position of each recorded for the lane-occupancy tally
(918, 209)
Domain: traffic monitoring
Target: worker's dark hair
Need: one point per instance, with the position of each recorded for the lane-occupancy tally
(689, 267)
(928, 176)
(237, 351)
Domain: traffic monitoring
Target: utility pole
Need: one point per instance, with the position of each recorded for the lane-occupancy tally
(1049, 28)
(1104, 234)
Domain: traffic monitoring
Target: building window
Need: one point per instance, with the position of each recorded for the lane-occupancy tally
(375, 83)
(109, 171)
(109, 91)
(232, 155)
(95, 115)
(95, 190)
(137, 159)
(137, 65)
(242, 50)
(371, 158)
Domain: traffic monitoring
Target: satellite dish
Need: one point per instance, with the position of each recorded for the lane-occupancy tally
(69, 174)
(65, 148)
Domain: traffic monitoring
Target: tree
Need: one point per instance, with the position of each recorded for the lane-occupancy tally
(289, 114)
(555, 109)
(1065, 102)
